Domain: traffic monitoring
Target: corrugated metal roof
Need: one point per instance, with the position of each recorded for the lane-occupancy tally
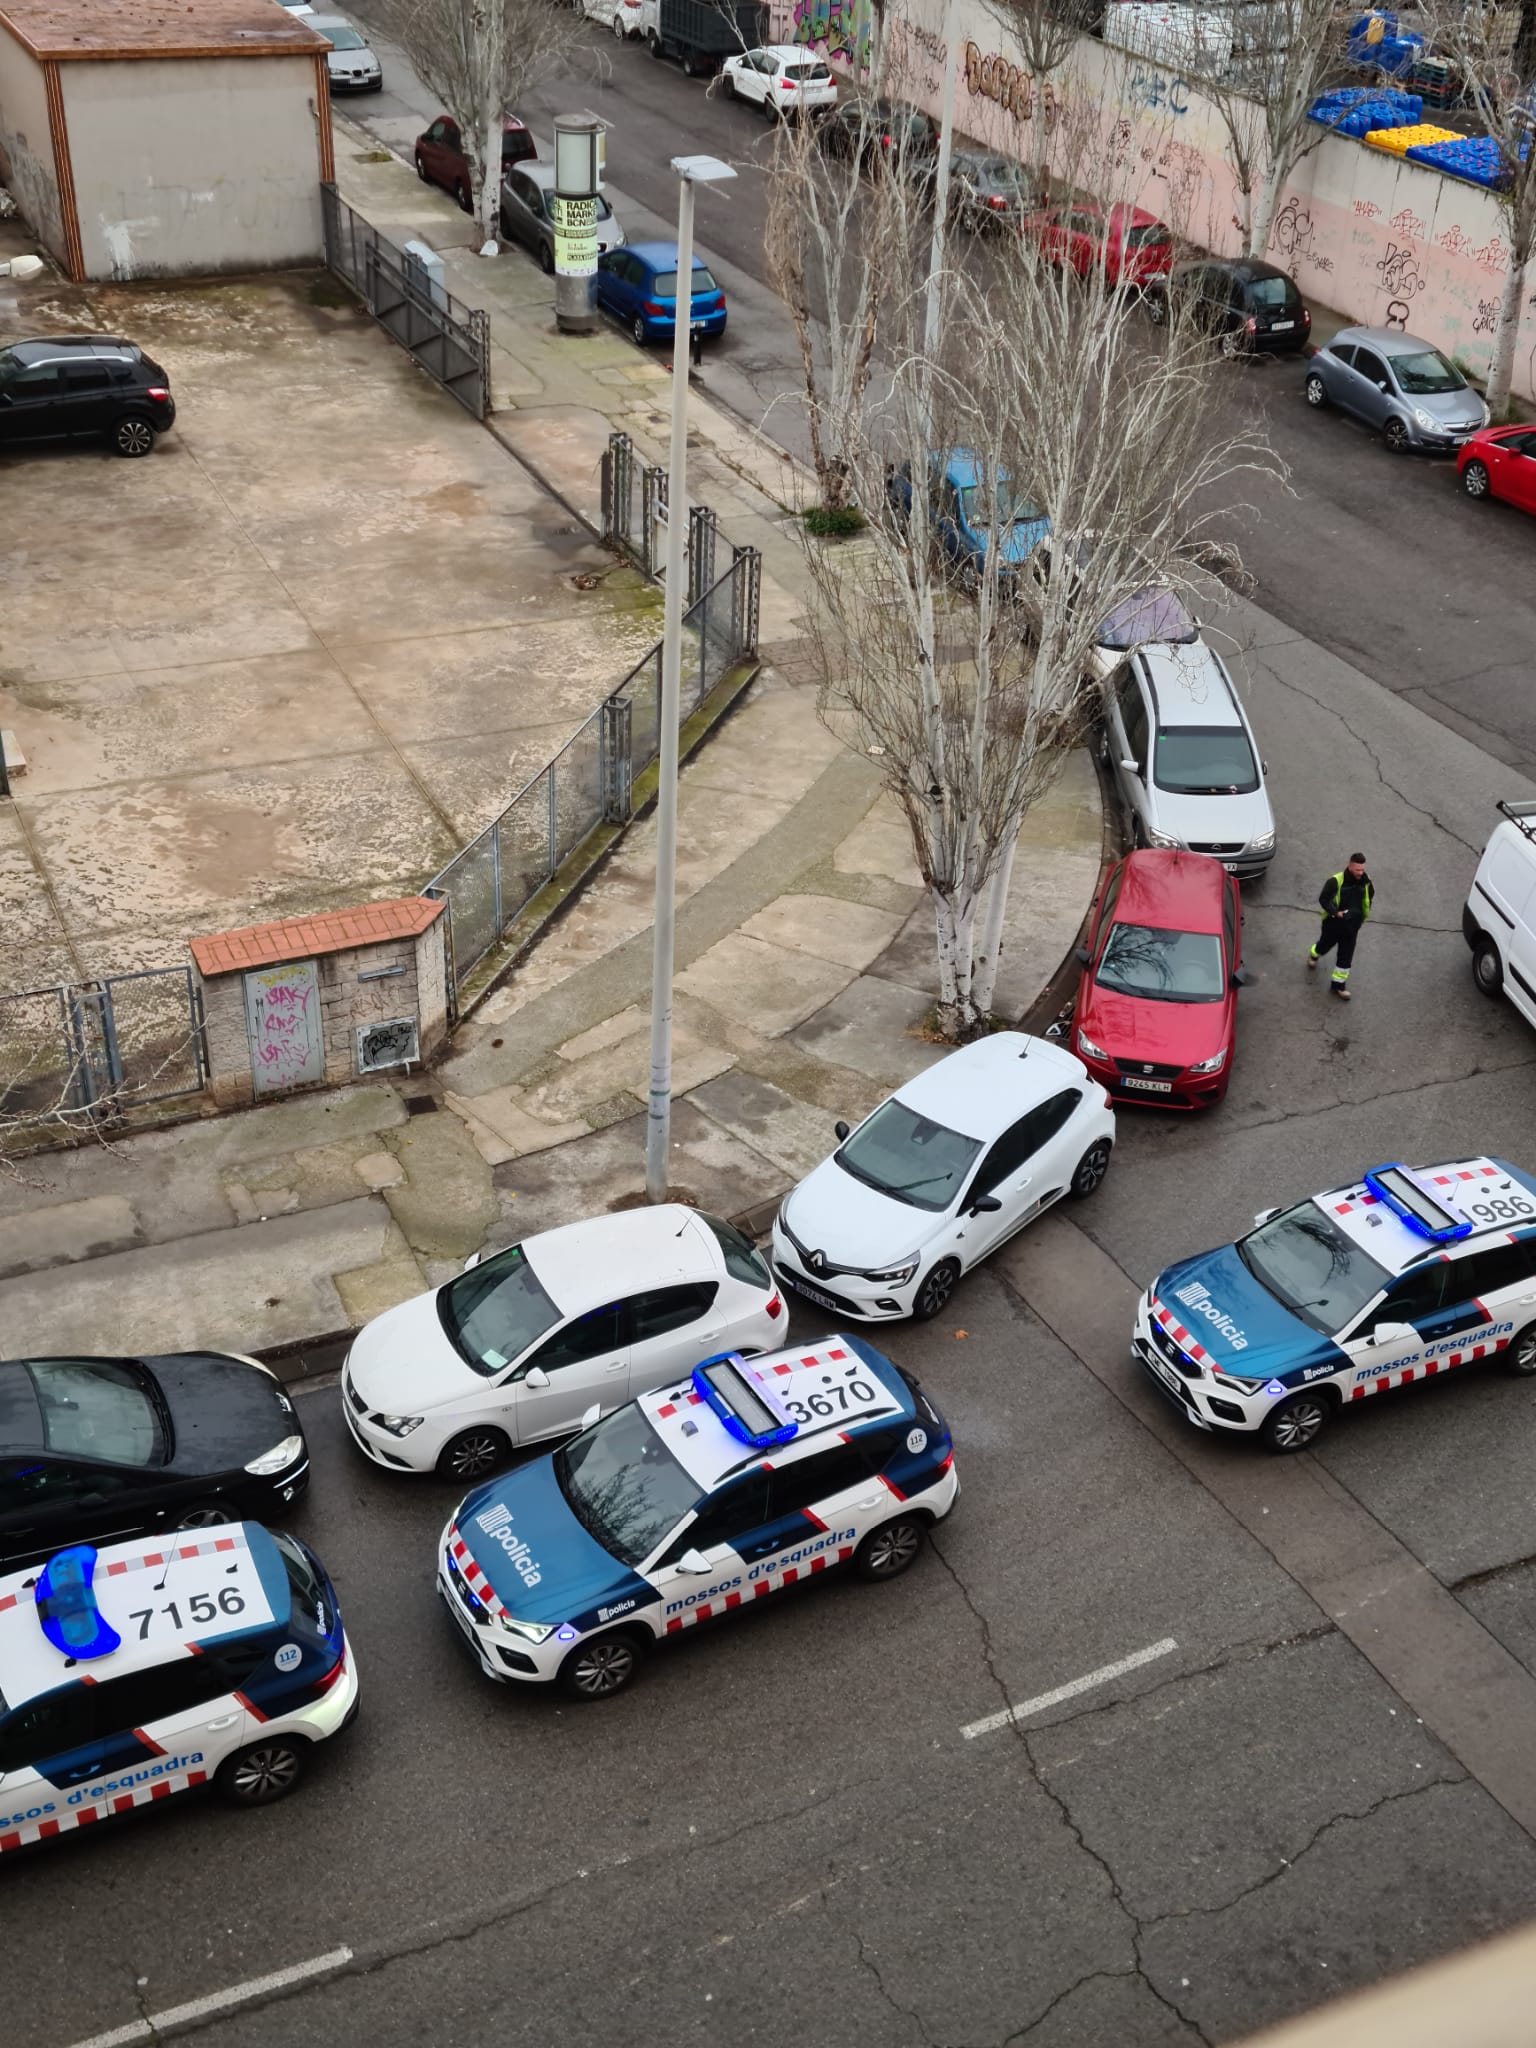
(158, 28)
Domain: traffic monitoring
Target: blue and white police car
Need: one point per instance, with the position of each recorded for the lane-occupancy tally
(140, 1669)
(1407, 1274)
(691, 1502)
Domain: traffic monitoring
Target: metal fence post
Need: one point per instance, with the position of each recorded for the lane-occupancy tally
(701, 551)
(554, 818)
(615, 729)
(5, 773)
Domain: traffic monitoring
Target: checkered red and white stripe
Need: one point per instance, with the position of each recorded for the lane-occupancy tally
(472, 1575)
(1404, 1376)
(79, 1816)
(1176, 1330)
(150, 1561)
(745, 1595)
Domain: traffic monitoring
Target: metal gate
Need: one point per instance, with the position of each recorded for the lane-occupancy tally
(451, 341)
(99, 1046)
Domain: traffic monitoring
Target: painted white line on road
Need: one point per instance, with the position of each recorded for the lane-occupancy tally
(217, 2001)
(1069, 1691)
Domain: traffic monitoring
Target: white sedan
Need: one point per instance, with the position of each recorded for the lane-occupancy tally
(782, 79)
(941, 1174)
(532, 1342)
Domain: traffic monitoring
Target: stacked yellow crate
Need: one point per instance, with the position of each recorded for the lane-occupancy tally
(1396, 140)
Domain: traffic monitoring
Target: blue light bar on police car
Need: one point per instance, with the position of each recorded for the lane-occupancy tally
(1417, 1204)
(66, 1605)
(753, 1414)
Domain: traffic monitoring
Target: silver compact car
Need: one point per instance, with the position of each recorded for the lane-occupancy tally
(1398, 384)
(527, 213)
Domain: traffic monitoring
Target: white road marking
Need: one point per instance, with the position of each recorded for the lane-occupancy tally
(217, 2001)
(1069, 1691)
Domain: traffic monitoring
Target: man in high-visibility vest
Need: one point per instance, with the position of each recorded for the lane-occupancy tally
(1346, 903)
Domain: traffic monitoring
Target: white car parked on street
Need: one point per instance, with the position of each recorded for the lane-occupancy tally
(526, 1342)
(629, 19)
(782, 79)
(941, 1174)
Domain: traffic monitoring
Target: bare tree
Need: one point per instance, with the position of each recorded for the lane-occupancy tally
(1493, 52)
(1045, 33)
(480, 58)
(950, 655)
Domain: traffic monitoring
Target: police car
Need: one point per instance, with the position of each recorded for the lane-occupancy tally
(691, 1502)
(1406, 1275)
(141, 1669)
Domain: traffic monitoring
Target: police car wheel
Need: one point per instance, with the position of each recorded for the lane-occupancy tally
(887, 1551)
(1091, 1169)
(1487, 968)
(473, 1453)
(600, 1668)
(1522, 1354)
(933, 1296)
(264, 1772)
(1296, 1424)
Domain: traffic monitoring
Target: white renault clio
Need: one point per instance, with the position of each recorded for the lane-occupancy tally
(941, 1174)
(524, 1343)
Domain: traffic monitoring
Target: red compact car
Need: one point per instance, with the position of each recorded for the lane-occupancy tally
(441, 159)
(1500, 462)
(1157, 1003)
(1133, 246)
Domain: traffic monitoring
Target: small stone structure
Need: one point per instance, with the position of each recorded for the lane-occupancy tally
(317, 1001)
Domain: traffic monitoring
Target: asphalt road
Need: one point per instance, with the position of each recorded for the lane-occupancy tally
(1313, 1759)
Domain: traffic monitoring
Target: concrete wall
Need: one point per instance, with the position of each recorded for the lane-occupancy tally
(26, 145)
(196, 164)
(1382, 241)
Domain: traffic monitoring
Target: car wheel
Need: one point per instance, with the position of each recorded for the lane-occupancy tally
(421, 170)
(887, 1552)
(462, 194)
(638, 331)
(770, 110)
(653, 43)
(204, 1514)
(472, 1454)
(1091, 1169)
(546, 259)
(1231, 344)
(1474, 480)
(598, 1669)
(1396, 436)
(1487, 968)
(133, 435)
(265, 1772)
(728, 85)
(933, 1296)
(1156, 304)
(1317, 391)
(1520, 1359)
(1296, 1424)
(618, 27)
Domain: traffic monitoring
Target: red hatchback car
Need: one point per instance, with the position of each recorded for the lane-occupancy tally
(1157, 1003)
(1133, 246)
(440, 157)
(1500, 462)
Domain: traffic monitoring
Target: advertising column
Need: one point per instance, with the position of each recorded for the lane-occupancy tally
(578, 180)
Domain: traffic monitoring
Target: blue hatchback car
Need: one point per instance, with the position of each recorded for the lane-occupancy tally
(964, 509)
(638, 285)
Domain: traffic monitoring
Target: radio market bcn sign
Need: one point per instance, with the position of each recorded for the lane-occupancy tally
(994, 78)
(575, 224)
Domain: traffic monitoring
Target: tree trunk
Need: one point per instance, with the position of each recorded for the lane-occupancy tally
(955, 924)
(989, 952)
(488, 207)
(1263, 217)
(1502, 368)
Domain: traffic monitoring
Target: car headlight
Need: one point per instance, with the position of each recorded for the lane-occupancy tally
(1086, 1044)
(1426, 420)
(399, 1425)
(1213, 1065)
(1264, 843)
(1160, 838)
(1238, 1386)
(530, 1631)
(898, 1276)
(280, 1455)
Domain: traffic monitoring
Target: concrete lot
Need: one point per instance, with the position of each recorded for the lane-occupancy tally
(292, 659)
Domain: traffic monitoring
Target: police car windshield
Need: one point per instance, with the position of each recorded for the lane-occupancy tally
(623, 1485)
(1309, 1265)
(492, 1313)
(1162, 966)
(909, 1156)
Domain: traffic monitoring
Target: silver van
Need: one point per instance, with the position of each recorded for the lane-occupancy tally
(1184, 758)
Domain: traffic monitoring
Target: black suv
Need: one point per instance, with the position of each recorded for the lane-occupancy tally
(871, 129)
(73, 385)
(1246, 306)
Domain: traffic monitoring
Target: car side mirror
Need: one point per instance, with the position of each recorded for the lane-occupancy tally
(694, 1561)
(1241, 977)
(1082, 956)
(1131, 765)
(1265, 1215)
(473, 1260)
(536, 1376)
(985, 1205)
(1392, 1333)
(591, 1415)
(840, 1130)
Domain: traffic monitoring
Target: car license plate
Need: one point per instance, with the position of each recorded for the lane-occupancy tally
(1164, 1372)
(1281, 326)
(1152, 1087)
(695, 325)
(814, 1294)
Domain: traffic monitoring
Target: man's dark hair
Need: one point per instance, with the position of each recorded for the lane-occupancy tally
(1357, 860)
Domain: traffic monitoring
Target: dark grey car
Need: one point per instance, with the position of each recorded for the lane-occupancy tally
(989, 191)
(527, 196)
(1398, 384)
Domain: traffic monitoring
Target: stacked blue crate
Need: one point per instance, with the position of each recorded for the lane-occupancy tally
(1477, 159)
(1357, 109)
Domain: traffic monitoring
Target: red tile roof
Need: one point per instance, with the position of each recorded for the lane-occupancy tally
(301, 938)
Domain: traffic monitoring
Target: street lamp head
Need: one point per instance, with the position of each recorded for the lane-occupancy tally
(701, 170)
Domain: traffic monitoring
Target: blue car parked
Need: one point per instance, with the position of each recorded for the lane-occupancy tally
(964, 510)
(638, 285)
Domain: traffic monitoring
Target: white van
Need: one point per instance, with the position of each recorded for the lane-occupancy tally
(1499, 920)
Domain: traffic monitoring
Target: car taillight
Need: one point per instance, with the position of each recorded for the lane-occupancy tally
(337, 1672)
(997, 205)
(654, 307)
(157, 391)
(946, 1462)
(1306, 317)
(775, 1308)
(885, 142)
(788, 84)
(1251, 325)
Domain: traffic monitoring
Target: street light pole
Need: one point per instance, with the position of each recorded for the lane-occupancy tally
(691, 170)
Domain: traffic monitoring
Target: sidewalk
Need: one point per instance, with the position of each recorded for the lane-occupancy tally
(805, 963)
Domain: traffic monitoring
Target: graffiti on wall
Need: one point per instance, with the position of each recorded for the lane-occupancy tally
(1486, 315)
(1292, 235)
(1400, 273)
(282, 1014)
(1152, 89)
(991, 77)
(840, 27)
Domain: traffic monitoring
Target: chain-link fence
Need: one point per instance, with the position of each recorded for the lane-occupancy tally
(92, 1047)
